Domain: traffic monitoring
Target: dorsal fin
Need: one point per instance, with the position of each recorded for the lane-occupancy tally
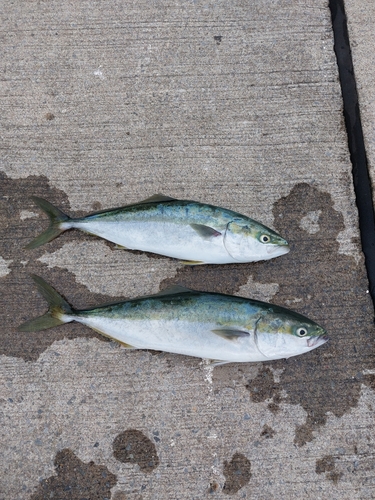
(172, 290)
(155, 198)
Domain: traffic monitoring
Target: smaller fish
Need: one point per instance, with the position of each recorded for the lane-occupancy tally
(193, 232)
(214, 326)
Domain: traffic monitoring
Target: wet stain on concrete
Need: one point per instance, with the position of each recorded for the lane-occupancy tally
(263, 388)
(317, 281)
(237, 473)
(19, 299)
(96, 205)
(328, 464)
(214, 486)
(329, 287)
(132, 446)
(76, 480)
(226, 278)
(325, 464)
(267, 432)
(334, 476)
(120, 495)
(369, 380)
(314, 279)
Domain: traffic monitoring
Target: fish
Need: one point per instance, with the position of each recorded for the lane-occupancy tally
(213, 326)
(194, 233)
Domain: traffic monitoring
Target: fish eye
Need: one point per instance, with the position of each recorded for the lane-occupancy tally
(302, 332)
(265, 238)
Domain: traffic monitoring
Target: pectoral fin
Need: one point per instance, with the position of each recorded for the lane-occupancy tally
(205, 232)
(229, 334)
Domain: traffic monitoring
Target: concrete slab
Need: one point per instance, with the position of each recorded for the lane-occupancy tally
(224, 102)
(361, 27)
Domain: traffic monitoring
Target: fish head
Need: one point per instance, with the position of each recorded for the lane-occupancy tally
(249, 241)
(281, 334)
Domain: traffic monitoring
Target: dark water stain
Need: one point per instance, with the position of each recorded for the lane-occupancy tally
(226, 278)
(132, 446)
(263, 386)
(214, 487)
(314, 279)
(325, 464)
(76, 480)
(120, 495)
(96, 205)
(237, 473)
(334, 476)
(328, 464)
(19, 299)
(369, 380)
(317, 281)
(267, 432)
(329, 287)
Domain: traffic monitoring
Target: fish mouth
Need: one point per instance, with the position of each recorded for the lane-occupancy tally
(279, 249)
(317, 341)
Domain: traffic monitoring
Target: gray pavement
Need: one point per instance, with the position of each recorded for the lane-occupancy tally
(232, 103)
(361, 25)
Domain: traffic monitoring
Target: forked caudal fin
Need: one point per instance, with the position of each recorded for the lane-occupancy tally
(57, 307)
(56, 217)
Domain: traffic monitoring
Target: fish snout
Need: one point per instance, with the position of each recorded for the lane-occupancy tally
(278, 249)
(317, 341)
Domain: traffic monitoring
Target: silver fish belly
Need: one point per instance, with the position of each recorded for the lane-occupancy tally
(182, 321)
(193, 232)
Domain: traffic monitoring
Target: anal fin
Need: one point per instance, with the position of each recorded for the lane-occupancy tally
(124, 344)
(192, 262)
(216, 362)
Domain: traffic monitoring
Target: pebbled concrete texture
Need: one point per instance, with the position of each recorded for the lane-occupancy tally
(231, 103)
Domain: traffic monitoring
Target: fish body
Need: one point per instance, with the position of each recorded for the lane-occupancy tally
(193, 232)
(182, 321)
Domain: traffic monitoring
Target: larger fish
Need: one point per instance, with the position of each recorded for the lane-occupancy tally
(193, 232)
(206, 325)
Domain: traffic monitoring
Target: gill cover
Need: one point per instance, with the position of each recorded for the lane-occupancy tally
(239, 242)
(279, 335)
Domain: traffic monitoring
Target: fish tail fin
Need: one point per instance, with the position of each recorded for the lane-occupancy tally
(56, 217)
(58, 307)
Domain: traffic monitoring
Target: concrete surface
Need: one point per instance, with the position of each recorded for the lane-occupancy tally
(233, 103)
(361, 26)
